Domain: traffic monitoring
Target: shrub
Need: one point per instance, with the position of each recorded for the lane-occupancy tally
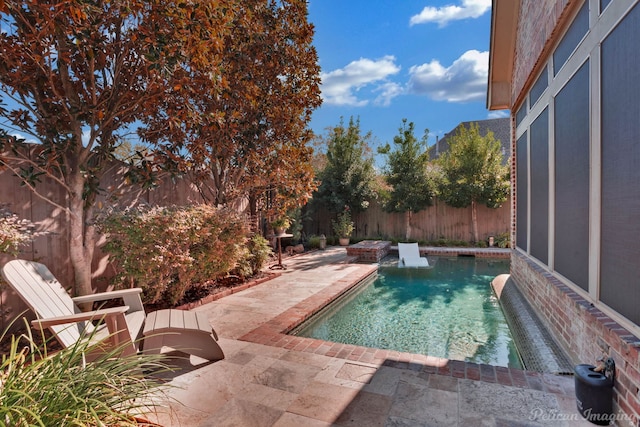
(167, 250)
(255, 257)
(60, 390)
(314, 242)
(442, 242)
(503, 240)
(332, 241)
(14, 232)
(343, 225)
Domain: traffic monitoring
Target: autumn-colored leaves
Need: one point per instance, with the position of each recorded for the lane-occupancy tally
(222, 89)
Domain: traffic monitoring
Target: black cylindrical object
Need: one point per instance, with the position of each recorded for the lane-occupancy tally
(594, 394)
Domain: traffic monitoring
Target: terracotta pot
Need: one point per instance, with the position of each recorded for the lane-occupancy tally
(344, 241)
(278, 230)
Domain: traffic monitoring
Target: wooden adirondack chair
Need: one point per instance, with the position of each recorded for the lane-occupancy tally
(189, 332)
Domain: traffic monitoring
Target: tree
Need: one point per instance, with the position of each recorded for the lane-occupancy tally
(473, 172)
(77, 75)
(348, 177)
(412, 189)
(250, 137)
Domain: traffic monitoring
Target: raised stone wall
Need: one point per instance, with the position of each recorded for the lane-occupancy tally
(369, 250)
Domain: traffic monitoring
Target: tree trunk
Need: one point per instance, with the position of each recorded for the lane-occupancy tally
(407, 216)
(474, 220)
(81, 240)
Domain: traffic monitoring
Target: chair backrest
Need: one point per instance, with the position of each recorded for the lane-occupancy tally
(408, 251)
(42, 292)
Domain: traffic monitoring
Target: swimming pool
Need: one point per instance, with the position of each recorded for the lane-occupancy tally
(446, 311)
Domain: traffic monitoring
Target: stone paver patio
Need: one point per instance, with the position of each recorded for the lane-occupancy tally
(272, 379)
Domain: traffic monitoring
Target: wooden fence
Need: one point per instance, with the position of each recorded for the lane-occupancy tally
(439, 221)
(435, 222)
(52, 249)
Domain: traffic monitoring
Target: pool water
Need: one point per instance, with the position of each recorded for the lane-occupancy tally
(447, 311)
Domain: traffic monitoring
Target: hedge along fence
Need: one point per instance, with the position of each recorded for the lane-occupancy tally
(439, 221)
(52, 248)
(169, 250)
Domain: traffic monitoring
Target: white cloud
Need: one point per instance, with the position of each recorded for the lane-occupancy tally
(339, 86)
(498, 114)
(389, 90)
(443, 15)
(27, 139)
(465, 80)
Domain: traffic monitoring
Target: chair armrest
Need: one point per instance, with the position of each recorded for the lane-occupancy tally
(79, 317)
(131, 297)
(101, 296)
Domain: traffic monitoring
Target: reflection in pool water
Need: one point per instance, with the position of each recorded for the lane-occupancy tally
(446, 311)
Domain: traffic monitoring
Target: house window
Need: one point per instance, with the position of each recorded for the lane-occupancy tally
(571, 131)
(539, 138)
(521, 114)
(521, 196)
(572, 38)
(538, 87)
(620, 229)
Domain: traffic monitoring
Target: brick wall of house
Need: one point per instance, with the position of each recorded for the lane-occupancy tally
(584, 331)
(539, 21)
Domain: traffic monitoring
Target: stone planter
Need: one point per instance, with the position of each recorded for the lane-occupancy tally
(344, 241)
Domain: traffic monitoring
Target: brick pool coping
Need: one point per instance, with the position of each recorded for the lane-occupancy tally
(476, 252)
(376, 250)
(274, 333)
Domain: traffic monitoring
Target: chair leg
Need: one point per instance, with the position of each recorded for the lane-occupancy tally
(119, 334)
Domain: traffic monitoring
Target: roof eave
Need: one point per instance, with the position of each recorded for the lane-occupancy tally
(504, 25)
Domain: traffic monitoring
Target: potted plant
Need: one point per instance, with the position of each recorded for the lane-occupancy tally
(280, 225)
(343, 227)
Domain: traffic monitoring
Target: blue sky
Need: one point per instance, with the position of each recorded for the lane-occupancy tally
(385, 60)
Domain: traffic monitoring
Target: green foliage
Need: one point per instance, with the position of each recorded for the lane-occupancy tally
(314, 242)
(473, 171)
(296, 226)
(412, 189)
(503, 240)
(281, 222)
(42, 389)
(343, 225)
(348, 177)
(167, 250)
(255, 257)
(442, 242)
(332, 240)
